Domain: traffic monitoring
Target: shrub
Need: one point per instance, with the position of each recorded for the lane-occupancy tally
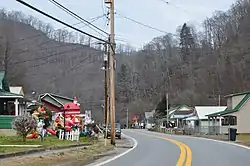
(23, 125)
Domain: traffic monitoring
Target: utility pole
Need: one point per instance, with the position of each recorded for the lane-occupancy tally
(111, 72)
(219, 100)
(106, 89)
(167, 109)
(127, 119)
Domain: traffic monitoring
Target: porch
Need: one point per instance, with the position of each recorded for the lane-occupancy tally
(11, 105)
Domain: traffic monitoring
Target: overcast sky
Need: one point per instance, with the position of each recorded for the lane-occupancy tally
(155, 13)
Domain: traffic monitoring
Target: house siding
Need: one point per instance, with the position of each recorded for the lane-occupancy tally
(236, 100)
(5, 122)
(243, 122)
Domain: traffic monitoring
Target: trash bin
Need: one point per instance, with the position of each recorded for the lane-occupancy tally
(232, 134)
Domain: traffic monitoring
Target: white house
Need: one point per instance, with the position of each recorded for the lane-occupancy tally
(149, 123)
(237, 113)
(200, 122)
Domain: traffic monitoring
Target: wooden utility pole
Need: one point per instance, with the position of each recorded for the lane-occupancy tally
(219, 100)
(112, 68)
(167, 109)
(106, 88)
(127, 119)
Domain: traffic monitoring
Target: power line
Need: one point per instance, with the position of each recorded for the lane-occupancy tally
(33, 36)
(50, 55)
(76, 16)
(55, 19)
(43, 57)
(73, 67)
(168, 3)
(140, 23)
(51, 40)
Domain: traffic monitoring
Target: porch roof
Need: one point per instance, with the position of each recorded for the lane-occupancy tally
(6, 94)
(181, 112)
(235, 109)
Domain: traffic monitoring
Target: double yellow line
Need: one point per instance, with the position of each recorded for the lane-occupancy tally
(185, 158)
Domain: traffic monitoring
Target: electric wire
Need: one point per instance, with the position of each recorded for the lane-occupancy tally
(57, 20)
(77, 16)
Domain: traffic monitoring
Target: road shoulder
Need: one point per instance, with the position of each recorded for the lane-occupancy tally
(123, 146)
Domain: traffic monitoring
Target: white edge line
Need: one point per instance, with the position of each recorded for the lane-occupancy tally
(224, 142)
(120, 155)
(208, 139)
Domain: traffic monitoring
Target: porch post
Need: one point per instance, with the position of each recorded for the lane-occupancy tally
(209, 125)
(220, 126)
(16, 107)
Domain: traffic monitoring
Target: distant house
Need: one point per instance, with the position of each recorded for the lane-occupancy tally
(149, 119)
(179, 113)
(237, 113)
(199, 122)
(12, 102)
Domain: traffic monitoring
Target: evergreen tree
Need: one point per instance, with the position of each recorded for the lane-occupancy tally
(186, 42)
(124, 84)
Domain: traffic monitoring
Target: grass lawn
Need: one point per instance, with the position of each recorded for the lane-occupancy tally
(49, 142)
(77, 156)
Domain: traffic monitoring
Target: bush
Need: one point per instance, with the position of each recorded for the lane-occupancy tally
(23, 125)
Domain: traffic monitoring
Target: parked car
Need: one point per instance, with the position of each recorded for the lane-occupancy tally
(118, 132)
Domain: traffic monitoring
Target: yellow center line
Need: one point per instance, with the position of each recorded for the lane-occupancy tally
(185, 158)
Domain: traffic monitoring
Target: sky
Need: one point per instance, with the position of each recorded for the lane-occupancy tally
(155, 13)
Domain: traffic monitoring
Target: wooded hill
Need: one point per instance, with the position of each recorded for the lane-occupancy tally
(194, 67)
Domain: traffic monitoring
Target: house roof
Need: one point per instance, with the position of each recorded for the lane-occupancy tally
(56, 100)
(149, 114)
(16, 90)
(181, 112)
(5, 94)
(238, 94)
(235, 109)
(202, 111)
(4, 88)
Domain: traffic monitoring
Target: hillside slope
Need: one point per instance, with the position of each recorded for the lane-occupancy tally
(39, 63)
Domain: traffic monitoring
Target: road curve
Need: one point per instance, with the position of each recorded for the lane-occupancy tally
(157, 149)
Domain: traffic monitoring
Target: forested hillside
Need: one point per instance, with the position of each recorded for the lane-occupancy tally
(194, 67)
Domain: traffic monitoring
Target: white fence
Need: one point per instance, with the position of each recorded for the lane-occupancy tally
(73, 135)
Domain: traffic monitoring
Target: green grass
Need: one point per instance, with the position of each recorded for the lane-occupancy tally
(48, 142)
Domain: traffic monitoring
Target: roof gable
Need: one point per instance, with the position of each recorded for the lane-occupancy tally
(16, 90)
(238, 94)
(149, 114)
(57, 100)
(235, 109)
(182, 111)
(202, 111)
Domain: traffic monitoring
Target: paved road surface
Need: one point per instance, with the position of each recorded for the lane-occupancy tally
(156, 149)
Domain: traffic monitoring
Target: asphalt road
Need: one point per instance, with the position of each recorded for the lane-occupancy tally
(156, 149)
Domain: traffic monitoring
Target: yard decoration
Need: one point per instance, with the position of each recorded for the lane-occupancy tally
(43, 118)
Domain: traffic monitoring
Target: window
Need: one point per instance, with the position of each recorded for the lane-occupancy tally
(229, 120)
